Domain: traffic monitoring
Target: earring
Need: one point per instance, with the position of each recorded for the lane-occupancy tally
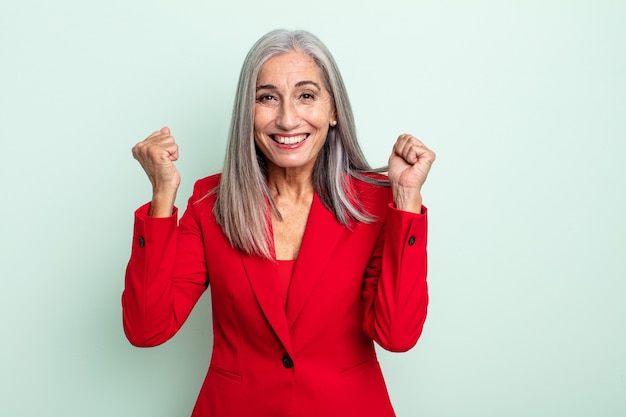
(333, 123)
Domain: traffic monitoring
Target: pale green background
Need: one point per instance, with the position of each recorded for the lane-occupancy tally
(524, 103)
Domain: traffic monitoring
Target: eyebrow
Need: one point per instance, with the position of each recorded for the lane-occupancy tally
(298, 84)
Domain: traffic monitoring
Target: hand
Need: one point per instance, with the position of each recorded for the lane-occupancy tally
(409, 164)
(157, 154)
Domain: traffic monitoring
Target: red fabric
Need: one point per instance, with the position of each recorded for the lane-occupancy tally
(285, 271)
(350, 286)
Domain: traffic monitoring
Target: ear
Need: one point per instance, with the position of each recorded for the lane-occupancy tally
(333, 117)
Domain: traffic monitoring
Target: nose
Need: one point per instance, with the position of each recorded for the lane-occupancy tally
(287, 117)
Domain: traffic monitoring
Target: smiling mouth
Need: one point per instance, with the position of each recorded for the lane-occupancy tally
(289, 140)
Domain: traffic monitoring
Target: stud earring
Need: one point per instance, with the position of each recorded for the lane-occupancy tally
(333, 123)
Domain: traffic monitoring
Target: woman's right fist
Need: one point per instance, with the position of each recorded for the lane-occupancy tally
(157, 154)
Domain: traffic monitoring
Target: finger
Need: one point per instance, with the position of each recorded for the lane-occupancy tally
(409, 140)
(401, 144)
(163, 132)
(409, 148)
(166, 147)
(173, 154)
(425, 157)
(415, 140)
(413, 153)
(413, 150)
(161, 150)
(153, 134)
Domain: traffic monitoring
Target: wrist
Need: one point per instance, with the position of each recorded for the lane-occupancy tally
(409, 201)
(162, 204)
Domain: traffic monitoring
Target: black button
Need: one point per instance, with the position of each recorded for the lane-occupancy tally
(142, 241)
(411, 240)
(287, 361)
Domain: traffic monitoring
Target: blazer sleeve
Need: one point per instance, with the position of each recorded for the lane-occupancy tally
(165, 276)
(395, 291)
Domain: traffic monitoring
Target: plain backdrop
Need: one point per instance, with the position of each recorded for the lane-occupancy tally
(523, 101)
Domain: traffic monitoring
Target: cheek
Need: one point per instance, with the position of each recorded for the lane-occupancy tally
(256, 124)
(261, 118)
(325, 115)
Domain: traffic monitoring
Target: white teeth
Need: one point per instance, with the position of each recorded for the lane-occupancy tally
(291, 140)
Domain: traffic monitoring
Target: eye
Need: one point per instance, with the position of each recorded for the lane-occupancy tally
(266, 98)
(307, 97)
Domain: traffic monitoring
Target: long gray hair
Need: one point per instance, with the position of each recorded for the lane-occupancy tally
(243, 204)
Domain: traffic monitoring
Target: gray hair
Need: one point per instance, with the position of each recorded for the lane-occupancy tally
(243, 204)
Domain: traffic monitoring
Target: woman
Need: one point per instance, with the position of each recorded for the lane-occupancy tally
(310, 255)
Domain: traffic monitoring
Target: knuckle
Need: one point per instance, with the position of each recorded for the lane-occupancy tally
(136, 150)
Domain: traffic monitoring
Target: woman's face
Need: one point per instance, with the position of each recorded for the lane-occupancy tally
(293, 111)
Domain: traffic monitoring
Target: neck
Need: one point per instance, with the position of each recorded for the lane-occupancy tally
(290, 183)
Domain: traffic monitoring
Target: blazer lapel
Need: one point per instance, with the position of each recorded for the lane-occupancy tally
(262, 275)
(321, 235)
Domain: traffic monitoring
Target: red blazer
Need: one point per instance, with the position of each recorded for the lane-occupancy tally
(315, 357)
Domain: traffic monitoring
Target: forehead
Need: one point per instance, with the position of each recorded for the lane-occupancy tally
(290, 67)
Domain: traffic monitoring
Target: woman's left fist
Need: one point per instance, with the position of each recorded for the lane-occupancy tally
(409, 164)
